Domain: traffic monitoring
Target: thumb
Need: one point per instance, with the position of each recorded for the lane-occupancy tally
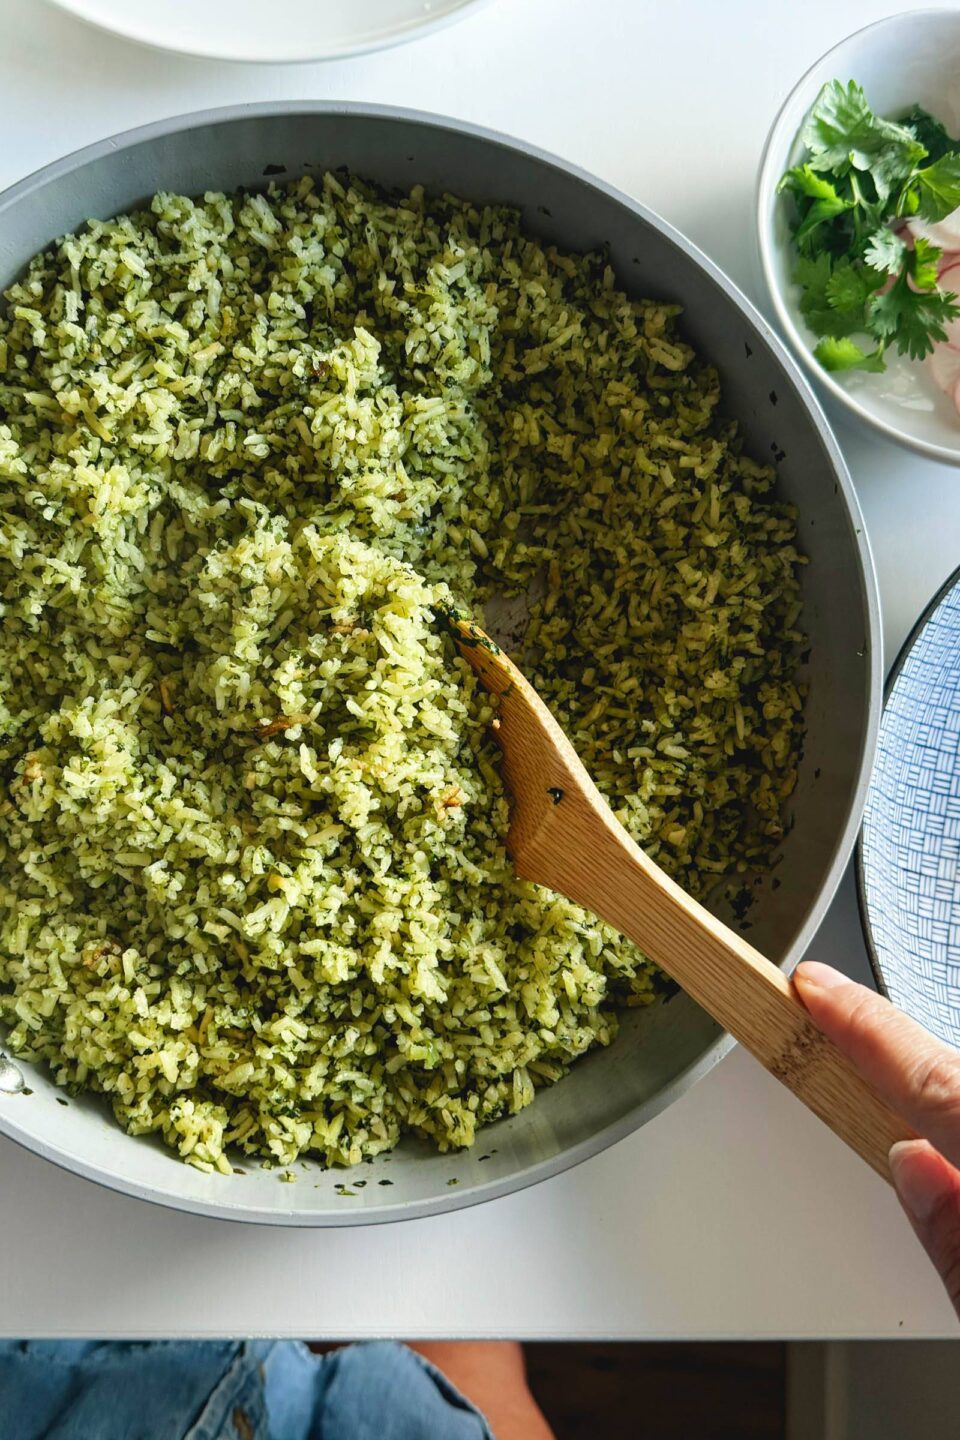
(910, 1069)
(929, 1191)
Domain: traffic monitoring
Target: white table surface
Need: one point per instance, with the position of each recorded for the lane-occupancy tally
(735, 1213)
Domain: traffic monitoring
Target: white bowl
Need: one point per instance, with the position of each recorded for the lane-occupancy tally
(905, 59)
(286, 31)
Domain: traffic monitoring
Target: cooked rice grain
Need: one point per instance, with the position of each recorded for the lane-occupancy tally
(252, 878)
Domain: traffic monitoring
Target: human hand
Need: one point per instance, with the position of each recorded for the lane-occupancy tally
(920, 1078)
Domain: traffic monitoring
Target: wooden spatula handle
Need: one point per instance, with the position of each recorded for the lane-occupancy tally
(737, 985)
(563, 834)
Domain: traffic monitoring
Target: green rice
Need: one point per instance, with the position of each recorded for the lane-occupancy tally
(253, 885)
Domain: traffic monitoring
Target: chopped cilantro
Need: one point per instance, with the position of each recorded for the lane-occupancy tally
(846, 354)
(931, 134)
(858, 273)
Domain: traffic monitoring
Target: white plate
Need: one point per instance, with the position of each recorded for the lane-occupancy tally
(269, 31)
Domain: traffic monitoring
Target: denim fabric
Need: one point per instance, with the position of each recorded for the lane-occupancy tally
(387, 1392)
(225, 1390)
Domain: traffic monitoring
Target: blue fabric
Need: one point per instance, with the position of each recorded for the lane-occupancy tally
(226, 1390)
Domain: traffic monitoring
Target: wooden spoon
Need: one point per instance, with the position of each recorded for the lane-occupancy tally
(564, 835)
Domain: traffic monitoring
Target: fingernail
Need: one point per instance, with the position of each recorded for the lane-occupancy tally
(920, 1177)
(824, 977)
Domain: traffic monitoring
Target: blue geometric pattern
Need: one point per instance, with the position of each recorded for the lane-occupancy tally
(910, 844)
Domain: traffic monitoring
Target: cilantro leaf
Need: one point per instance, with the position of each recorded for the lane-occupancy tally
(842, 131)
(922, 324)
(850, 286)
(805, 181)
(847, 355)
(885, 251)
(827, 203)
(885, 310)
(913, 319)
(938, 187)
(922, 264)
(891, 168)
(813, 272)
(813, 275)
(928, 130)
(862, 279)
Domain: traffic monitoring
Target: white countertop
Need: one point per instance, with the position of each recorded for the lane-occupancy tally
(735, 1213)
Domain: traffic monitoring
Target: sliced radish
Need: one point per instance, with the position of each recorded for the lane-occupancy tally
(944, 365)
(949, 277)
(944, 360)
(949, 283)
(945, 233)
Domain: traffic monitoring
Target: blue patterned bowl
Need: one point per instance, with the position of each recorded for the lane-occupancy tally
(908, 856)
